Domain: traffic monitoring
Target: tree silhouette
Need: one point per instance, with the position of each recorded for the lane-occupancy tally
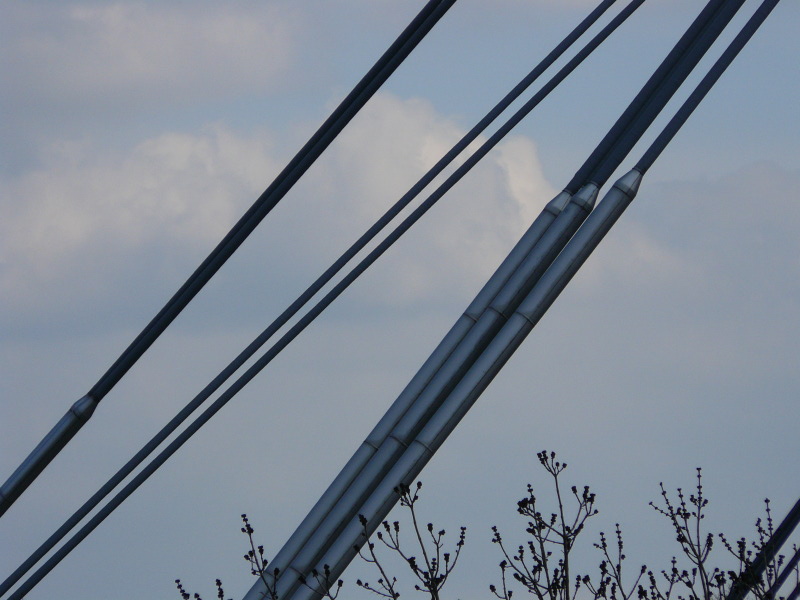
(543, 564)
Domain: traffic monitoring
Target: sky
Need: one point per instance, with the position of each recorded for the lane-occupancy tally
(134, 134)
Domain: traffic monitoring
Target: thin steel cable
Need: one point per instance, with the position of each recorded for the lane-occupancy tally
(678, 75)
(338, 289)
(59, 436)
(768, 552)
(312, 290)
(640, 101)
(788, 569)
(364, 90)
(702, 89)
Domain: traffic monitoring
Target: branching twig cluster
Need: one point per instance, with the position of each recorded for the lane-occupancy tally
(610, 582)
(436, 565)
(259, 567)
(701, 579)
(542, 565)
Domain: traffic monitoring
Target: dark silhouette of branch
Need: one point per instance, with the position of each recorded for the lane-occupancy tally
(436, 566)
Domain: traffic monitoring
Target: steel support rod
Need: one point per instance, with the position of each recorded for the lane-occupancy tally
(387, 448)
(370, 450)
(321, 521)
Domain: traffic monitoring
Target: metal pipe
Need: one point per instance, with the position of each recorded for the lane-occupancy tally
(442, 423)
(45, 451)
(702, 89)
(463, 396)
(553, 207)
(458, 402)
(312, 522)
(364, 453)
(678, 74)
(60, 435)
(420, 407)
(293, 332)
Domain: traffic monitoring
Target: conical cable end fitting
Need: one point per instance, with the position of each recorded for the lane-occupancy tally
(557, 204)
(586, 196)
(629, 183)
(84, 408)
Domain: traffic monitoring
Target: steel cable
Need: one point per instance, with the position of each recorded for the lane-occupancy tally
(445, 420)
(770, 549)
(82, 410)
(306, 320)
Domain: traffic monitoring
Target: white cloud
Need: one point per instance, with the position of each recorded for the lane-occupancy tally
(459, 242)
(146, 52)
(631, 255)
(83, 215)
(102, 220)
(526, 182)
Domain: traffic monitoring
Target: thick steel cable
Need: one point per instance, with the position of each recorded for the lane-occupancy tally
(80, 413)
(573, 262)
(320, 306)
(312, 290)
(640, 101)
(702, 89)
(443, 423)
(678, 75)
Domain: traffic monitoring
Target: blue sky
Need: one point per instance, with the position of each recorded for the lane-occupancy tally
(135, 133)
